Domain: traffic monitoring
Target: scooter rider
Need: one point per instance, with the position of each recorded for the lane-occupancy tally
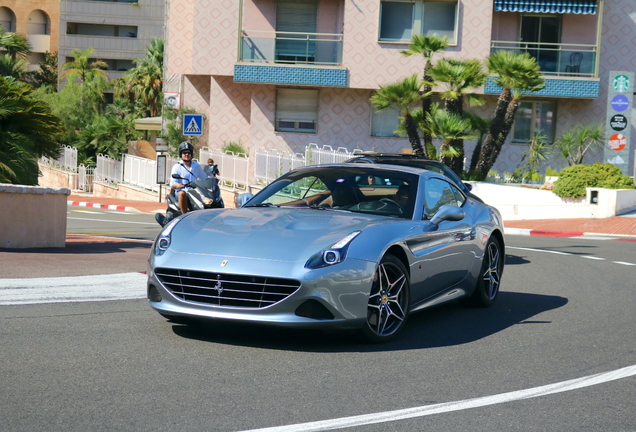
(188, 170)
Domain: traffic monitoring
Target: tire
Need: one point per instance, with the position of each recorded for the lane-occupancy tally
(489, 280)
(388, 306)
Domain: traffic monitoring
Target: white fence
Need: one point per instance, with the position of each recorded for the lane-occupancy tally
(271, 164)
(140, 172)
(66, 162)
(234, 168)
(86, 176)
(108, 170)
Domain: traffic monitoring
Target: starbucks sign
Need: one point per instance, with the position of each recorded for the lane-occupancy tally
(621, 83)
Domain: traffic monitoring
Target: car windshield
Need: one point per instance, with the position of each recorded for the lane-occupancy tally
(359, 189)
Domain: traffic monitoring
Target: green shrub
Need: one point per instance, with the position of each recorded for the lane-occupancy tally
(574, 179)
(234, 147)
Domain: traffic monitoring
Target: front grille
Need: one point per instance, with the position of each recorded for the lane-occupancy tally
(230, 290)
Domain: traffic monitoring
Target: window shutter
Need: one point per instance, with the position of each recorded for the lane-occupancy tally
(384, 123)
(297, 105)
(296, 16)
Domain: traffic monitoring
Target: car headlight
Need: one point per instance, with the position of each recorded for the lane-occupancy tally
(334, 254)
(163, 241)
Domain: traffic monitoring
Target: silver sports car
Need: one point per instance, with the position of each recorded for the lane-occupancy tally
(347, 246)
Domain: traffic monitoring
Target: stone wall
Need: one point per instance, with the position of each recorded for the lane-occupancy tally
(34, 216)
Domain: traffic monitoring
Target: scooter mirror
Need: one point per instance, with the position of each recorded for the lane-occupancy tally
(177, 176)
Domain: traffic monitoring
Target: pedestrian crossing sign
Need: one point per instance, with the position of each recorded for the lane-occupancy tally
(192, 124)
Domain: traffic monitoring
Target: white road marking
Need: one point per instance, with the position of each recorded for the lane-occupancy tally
(83, 211)
(121, 286)
(624, 263)
(115, 221)
(539, 250)
(426, 410)
(593, 257)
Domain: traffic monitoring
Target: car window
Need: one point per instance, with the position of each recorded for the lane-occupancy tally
(359, 189)
(438, 193)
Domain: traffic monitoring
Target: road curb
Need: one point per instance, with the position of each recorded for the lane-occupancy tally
(102, 206)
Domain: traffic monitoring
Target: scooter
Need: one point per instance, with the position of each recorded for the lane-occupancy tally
(202, 194)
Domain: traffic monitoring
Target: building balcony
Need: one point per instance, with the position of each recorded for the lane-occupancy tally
(39, 43)
(578, 60)
(275, 57)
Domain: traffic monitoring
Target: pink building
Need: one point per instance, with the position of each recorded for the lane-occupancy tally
(280, 74)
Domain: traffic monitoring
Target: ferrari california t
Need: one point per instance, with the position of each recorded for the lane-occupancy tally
(346, 246)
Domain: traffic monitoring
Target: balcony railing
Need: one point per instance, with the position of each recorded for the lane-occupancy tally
(573, 60)
(291, 48)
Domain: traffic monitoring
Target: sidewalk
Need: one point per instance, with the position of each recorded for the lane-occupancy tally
(618, 226)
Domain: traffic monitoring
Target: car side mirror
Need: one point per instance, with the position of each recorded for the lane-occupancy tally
(468, 186)
(242, 199)
(448, 213)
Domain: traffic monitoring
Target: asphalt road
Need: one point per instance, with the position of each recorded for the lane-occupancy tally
(566, 311)
(111, 223)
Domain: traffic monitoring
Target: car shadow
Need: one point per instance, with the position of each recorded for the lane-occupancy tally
(85, 247)
(515, 260)
(447, 325)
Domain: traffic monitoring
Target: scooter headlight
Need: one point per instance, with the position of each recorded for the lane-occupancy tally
(208, 201)
(334, 254)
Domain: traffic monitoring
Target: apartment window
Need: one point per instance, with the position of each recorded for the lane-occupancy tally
(7, 19)
(101, 30)
(400, 20)
(296, 110)
(384, 123)
(533, 117)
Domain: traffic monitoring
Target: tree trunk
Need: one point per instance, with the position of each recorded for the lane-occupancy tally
(414, 138)
(456, 163)
(429, 148)
(489, 152)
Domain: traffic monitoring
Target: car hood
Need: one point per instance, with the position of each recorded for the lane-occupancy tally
(281, 234)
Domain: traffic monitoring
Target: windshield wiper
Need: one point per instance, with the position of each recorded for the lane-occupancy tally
(261, 205)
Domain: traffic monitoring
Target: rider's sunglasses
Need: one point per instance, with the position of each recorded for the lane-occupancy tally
(187, 153)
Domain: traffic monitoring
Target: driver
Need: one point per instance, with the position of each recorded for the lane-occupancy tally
(189, 171)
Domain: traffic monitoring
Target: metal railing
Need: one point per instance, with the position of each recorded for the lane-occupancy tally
(86, 175)
(291, 47)
(108, 170)
(140, 172)
(66, 162)
(233, 168)
(271, 164)
(559, 59)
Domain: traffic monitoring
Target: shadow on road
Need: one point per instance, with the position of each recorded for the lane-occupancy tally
(447, 325)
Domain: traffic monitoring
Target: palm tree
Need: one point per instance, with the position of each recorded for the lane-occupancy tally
(402, 95)
(574, 143)
(450, 128)
(14, 44)
(427, 46)
(12, 66)
(516, 74)
(145, 81)
(28, 130)
(481, 126)
(80, 68)
(458, 77)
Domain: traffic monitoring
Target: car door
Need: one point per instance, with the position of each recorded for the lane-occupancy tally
(446, 251)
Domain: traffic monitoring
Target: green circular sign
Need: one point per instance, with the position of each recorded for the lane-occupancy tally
(621, 83)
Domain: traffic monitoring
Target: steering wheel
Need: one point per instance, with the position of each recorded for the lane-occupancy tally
(390, 201)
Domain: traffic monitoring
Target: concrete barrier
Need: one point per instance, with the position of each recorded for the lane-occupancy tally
(32, 216)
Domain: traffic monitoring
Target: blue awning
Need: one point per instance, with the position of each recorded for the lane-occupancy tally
(574, 7)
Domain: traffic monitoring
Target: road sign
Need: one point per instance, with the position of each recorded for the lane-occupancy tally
(192, 124)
